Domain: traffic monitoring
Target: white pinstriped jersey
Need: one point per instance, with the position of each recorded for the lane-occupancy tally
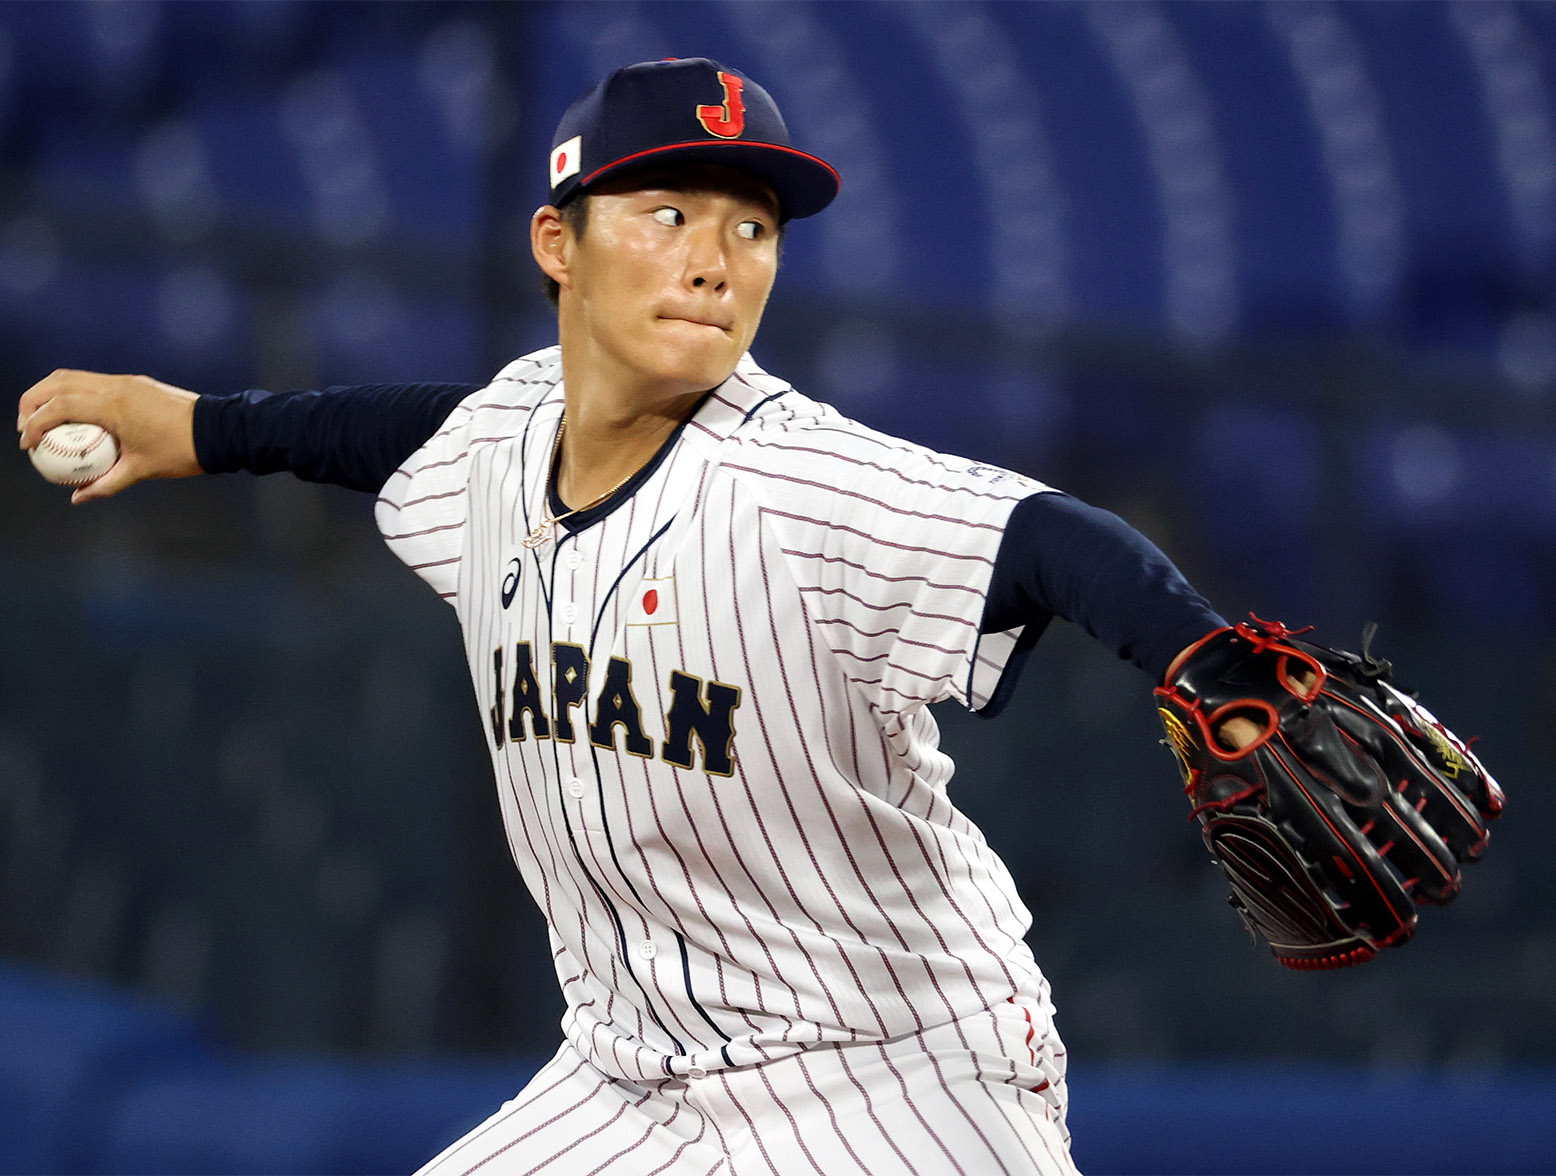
(707, 715)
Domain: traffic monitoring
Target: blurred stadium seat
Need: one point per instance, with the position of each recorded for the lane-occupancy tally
(248, 1116)
(93, 1080)
(1299, 1119)
(71, 1050)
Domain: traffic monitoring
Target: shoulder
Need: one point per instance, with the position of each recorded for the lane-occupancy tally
(791, 436)
(521, 386)
(489, 416)
(500, 410)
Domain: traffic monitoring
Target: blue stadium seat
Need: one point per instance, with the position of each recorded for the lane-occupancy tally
(274, 1116)
(68, 1051)
(1277, 1119)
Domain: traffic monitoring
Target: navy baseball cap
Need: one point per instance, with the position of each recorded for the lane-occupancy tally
(689, 110)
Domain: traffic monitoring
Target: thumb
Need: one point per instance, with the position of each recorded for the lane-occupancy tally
(120, 476)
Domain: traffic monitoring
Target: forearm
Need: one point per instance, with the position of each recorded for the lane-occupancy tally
(354, 437)
(1061, 557)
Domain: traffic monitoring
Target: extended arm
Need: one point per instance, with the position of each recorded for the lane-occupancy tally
(1333, 802)
(1063, 558)
(353, 437)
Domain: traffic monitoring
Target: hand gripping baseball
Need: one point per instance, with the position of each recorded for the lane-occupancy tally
(153, 422)
(1351, 806)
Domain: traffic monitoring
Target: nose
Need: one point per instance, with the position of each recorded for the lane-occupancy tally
(705, 260)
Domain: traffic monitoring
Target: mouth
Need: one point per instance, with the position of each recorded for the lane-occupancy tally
(724, 325)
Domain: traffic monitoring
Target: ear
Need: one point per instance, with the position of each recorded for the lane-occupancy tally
(551, 242)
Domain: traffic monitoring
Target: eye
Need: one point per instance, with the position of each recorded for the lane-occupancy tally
(751, 230)
(669, 217)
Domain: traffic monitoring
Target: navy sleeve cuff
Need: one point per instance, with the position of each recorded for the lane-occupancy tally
(354, 437)
(1061, 557)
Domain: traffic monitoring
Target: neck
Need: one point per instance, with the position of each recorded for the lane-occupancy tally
(612, 432)
(618, 415)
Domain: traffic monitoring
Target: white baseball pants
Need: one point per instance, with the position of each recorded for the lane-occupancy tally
(978, 1096)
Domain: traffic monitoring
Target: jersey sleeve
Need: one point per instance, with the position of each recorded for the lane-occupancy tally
(347, 436)
(423, 509)
(1063, 557)
(423, 506)
(893, 547)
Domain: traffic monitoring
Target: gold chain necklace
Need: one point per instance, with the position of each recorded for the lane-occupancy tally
(543, 528)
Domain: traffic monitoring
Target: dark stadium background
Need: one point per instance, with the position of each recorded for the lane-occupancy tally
(1274, 282)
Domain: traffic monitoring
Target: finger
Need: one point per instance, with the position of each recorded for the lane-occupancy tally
(91, 397)
(1413, 847)
(1237, 732)
(1449, 756)
(1342, 852)
(52, 386)
(41, 393)
(58, 409)
(120, 476)
(1428, 791)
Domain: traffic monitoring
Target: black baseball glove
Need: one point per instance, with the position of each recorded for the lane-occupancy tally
(1353, 805)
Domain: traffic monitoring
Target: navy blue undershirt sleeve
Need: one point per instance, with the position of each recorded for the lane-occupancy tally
(1061, 557)
(354, 437)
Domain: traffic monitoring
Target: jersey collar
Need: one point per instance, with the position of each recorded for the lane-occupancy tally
(748, 392)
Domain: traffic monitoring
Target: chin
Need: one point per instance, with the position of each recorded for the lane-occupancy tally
(699, 372)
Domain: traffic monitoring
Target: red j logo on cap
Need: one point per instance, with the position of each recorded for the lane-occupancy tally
(728, 120)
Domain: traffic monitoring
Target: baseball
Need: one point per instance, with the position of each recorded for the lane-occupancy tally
(74, 454)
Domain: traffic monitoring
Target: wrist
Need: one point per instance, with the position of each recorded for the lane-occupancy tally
(1188, 651)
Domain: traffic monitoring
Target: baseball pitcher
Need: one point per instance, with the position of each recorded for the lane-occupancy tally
(705, 615)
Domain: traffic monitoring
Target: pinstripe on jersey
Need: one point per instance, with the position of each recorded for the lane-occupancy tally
(773, 605)
(970, 1098)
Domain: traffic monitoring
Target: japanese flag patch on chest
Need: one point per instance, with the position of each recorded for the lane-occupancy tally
(654, 603)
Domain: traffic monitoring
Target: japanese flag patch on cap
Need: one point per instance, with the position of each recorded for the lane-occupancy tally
(565, 159)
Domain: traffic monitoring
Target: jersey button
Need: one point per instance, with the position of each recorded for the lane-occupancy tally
(575, 788)
(569, 613)
(574, 559)
(696, 1072)
(647, 949)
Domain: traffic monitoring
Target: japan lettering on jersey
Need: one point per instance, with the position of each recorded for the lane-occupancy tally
(707, 716)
